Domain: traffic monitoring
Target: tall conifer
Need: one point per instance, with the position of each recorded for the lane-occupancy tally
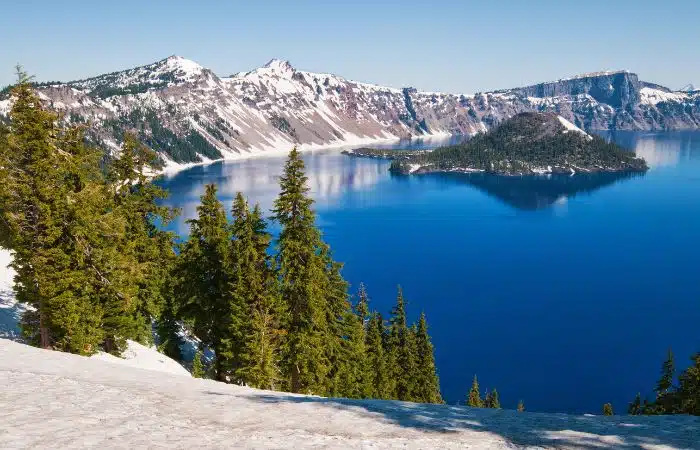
(303, 282)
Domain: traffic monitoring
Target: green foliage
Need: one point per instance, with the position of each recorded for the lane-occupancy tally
(303, 282)
(683, 398)
(197, 365)
(88, 256)
(474, 398)
(426, 385)
(492, 400)
(379, 376)
(401, 347)
(521, 406)
(608, 409)
(635, 407)
(204, 274)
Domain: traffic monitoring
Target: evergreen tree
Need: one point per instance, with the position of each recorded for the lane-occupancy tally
(401, 345)
(607, 409)
(260, 309)
(427, 386)
(521, 406)
(689, 388)
(487, 399)
(49, 211)
(197, 365)
(474, 399)
(362, 307)
(168, 329)
(303, 282)
(494, 402)
(668, 371)
(635, 407)
(379, 377)
(204, 276)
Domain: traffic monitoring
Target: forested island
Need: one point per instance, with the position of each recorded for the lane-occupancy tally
(527, 144)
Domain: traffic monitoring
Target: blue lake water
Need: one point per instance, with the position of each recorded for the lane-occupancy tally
(564, 292)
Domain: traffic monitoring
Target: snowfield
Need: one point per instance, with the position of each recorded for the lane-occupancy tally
(57, 400)
(147, 400)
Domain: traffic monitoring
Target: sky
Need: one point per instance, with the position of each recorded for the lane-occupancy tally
(457, 46)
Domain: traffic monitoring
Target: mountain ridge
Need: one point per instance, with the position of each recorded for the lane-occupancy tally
(189, 114)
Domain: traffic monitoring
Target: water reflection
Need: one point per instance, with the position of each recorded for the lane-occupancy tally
(539, 192)
(330, 174)
(665, 149)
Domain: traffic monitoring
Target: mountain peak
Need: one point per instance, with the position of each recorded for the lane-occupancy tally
(180, 64)
(280, 66)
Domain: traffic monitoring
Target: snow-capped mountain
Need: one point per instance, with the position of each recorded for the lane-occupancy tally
(189, 114)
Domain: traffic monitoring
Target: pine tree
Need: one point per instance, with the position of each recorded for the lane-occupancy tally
(688, 396)
(204, 277)
(487, 399)
(379, 377)
(362, 308)
(495, 402)
(635, 407)
(197, 365)
(256, 290)
(607, 409)
(521, 406)
(401, 345)
(303, 282)
(668, 370)
(49, 210)
(427, 386)
(474, 399)
(168, 329)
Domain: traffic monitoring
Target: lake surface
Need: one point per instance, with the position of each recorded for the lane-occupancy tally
(565, 292)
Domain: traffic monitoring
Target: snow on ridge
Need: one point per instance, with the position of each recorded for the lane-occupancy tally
(571, 127)
(651, 96)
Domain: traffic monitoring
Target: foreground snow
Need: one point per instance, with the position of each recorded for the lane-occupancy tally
(57, 400)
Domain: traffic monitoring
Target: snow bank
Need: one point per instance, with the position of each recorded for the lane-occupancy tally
(56, 400)
(141, 357)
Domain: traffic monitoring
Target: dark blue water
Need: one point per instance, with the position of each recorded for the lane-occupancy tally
(565, 291)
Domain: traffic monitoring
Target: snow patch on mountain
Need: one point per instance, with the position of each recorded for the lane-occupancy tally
(571, 127)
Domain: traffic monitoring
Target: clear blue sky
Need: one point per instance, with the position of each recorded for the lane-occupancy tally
(440, 45)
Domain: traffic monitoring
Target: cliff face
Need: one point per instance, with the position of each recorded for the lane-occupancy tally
(187, 113)
(617, 89)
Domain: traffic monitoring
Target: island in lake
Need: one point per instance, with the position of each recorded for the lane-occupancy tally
(526, 144)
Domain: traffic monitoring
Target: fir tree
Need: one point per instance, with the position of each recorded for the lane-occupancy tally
(362, 308)
(197, 365)
(379, 377)
(688, 397)
(474, 398)
(427, 386)
(607, 409)
(204, 276)
(635, 407)
(401, 345)
(521, 406)
(494, 402)
(50, 181)
(303, 282)
(668, 371)
(255, 286)
(168, 329)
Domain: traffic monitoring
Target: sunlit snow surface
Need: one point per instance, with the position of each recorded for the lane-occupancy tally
(57, 400)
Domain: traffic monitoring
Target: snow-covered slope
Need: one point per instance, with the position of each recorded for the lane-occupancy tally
(57, 400)
(189, 114)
